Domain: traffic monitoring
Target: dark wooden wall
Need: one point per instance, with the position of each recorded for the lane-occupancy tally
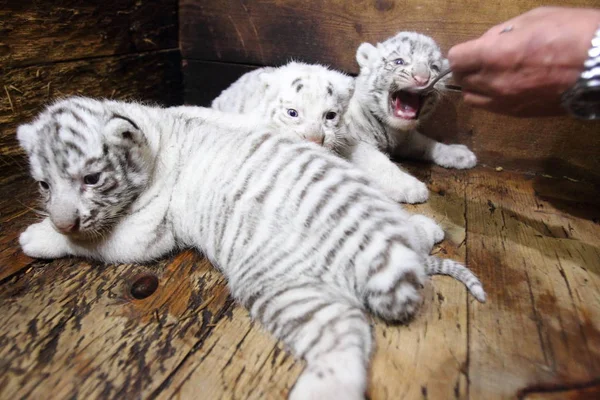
(121, 49)
(220, 40)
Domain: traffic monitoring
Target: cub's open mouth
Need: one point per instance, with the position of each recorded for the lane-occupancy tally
(406, 105)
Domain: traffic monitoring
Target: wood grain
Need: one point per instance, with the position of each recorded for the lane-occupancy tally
(578, 392)
(71, 328)
(17, 204)
(40, 32)
(240, 360)
(152, 77)
(541, 324)
(427, 358)
(271, 32)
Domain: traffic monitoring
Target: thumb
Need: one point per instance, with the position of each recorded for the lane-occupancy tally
(466, 57)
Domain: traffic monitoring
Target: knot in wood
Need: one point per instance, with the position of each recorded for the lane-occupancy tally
(144, 286)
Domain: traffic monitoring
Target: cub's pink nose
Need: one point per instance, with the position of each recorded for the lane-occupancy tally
(318, 139)
(68, 226)
(421, 80)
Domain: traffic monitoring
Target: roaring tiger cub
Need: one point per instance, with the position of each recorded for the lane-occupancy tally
(305, 241)
(306, 99)
(383, 115)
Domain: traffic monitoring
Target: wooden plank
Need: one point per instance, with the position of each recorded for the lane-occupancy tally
(72, 328)
(240, 360)
(204, 81)
(17, 203)
(584, 392)
(271, 32)
(34, 32)
(541, 323)
(154, 76)
(558, 146)
(427, 358)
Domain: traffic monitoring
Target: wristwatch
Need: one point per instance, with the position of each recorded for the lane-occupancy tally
(583, 99)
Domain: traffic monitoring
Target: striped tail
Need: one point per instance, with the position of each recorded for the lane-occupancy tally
(443, 266)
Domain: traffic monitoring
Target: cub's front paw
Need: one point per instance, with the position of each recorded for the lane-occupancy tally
(428, 232)
(455, 156)
(414, 192)
(42, 241)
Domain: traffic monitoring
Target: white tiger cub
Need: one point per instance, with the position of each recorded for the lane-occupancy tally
(305, 241)
(383, 116)
(306, 99)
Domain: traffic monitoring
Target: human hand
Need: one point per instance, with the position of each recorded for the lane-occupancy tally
(523, 72)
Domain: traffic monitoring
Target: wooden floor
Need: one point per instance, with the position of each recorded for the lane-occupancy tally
(72, 329)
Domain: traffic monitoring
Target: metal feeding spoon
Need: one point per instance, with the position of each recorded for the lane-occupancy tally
(429, 87)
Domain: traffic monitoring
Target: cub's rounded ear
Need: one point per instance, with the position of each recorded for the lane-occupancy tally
(348, 88)
(26, 135)
(124, 131)
(365, 55)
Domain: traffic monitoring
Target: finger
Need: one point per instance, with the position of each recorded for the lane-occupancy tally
(475, 82)
(470, 56)
(465, 56)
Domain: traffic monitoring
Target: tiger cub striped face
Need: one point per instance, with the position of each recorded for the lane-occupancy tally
(309, 100)
(406, 60)
(90, 163)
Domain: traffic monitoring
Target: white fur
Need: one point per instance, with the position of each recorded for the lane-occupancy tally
(311, 92)
(304, 239)
(372, 122)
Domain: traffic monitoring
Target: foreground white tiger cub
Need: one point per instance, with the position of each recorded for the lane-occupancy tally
(305, 241)
(308, 100)
(384, 116)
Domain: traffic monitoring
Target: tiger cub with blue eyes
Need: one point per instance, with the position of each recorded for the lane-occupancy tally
(304, 99)
(308, 245)
(383, 116)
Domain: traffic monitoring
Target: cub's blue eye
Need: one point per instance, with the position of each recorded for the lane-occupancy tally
(435, 68)
(44, 185)
(292, 113)
(399, 61)
(330, 115)
(91, 179)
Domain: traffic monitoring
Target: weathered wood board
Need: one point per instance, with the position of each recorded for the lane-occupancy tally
(536, 242)
(71, 328)
(152, 77)
(121, 49)
(35, 32)
(427, 358)
(271, 32)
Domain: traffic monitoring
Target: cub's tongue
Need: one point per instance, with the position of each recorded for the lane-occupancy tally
(406, 105)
